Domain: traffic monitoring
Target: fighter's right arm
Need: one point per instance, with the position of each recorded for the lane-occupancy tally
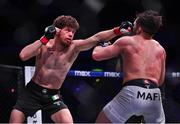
(110, 51)
(33, 49)
(30, 50)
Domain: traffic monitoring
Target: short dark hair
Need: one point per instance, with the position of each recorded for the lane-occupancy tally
(66, 20)
(150, 21)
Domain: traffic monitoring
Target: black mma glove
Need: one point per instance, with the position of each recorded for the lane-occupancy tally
(49, 33)
(104, 43)
(125, 25)
(123, 28)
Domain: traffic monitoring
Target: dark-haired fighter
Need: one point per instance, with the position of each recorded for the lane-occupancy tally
(144, 71)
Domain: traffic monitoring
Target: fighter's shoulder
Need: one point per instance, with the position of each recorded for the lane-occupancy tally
(155, 42)
(123, 41)
(159, 46)
(125, 38)
(77, 41)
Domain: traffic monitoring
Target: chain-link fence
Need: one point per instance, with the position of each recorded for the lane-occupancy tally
(11, 81)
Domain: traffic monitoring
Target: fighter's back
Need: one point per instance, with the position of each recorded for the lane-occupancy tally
(142, 59)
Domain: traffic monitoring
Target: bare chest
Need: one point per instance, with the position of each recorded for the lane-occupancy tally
(58, 59)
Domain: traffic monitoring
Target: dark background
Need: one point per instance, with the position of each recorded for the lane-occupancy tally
(23, 21)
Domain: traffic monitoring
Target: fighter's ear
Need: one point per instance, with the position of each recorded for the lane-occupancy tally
(138, 30)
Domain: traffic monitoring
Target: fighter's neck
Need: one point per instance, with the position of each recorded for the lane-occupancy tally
(145, 36)
(56, 45)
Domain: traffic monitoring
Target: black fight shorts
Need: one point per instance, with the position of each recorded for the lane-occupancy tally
(34, 97)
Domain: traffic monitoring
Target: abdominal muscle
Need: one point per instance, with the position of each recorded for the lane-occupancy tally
(50, 78)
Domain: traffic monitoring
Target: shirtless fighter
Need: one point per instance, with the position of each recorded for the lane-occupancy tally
(55, 53)
(144, 71)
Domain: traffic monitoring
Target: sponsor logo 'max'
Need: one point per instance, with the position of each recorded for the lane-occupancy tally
(83, 73)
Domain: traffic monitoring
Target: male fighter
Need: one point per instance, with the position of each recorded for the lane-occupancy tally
(143, 72)
(55, 53)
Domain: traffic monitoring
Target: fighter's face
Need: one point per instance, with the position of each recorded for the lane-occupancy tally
(136, 27)
(66, 35)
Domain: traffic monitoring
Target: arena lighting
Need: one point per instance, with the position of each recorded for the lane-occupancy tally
(97, 69)
(95, 5)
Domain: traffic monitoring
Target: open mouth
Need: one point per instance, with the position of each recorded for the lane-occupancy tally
(68, 41)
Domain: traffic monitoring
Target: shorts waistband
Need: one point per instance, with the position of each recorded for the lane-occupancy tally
(145, 83)
(44, 90)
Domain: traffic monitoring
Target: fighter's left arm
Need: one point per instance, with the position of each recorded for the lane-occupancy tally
(86, 44)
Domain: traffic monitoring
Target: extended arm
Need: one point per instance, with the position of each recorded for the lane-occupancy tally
(90, 42)
(106, 35)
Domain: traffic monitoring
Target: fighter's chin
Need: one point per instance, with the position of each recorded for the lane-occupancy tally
(67, 43)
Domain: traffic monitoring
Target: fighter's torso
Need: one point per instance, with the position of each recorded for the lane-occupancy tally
(142, 59)
(52, 66)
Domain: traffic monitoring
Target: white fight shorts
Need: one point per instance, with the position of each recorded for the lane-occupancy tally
(137, 97)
